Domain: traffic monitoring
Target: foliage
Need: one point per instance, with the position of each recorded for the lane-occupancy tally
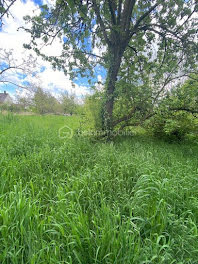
(130, 201)
(177, 115)
(68, 104)
(44, 102)
(144, 43)
(93, 108)
(11, 108)
(15, 108)
(185, 97)
(174, 126)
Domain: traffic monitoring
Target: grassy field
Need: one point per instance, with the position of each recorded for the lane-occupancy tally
(75, 201)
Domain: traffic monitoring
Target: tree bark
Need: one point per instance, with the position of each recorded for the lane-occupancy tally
(116, 54)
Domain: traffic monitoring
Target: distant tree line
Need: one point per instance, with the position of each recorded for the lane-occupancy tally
(43, 102)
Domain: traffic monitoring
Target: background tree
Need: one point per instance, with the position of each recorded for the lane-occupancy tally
(11, 68)
(122, 27)
(68, 104)
(43, 102)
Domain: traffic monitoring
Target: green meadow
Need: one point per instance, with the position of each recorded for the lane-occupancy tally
(83, 201)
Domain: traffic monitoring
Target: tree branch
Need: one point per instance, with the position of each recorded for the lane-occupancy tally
(92, 54)
(167, 30)
(112, 11)
(126, 117)
(134, 29)
(20, 86)
(136, 53)
(7, 9)
(189, 16)
(10, 67)
(126, 15)
(119, 11)
(168, 80)
(149, 115)
(184, 109)
(100, 21)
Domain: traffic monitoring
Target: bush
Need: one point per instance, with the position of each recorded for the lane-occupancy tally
(93, 111)
(174, 126)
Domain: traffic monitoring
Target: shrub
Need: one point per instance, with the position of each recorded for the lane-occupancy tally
(93, 110)
(174, 126)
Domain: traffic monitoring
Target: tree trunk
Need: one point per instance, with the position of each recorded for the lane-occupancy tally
(116, 54)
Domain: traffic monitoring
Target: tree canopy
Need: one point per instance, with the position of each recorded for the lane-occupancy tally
(145, 45)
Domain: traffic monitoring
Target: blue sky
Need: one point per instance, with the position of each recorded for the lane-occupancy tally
(54, 81)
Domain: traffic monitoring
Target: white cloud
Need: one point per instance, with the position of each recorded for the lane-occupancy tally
(11, 37)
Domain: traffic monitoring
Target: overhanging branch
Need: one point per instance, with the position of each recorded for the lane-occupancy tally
(126, 117)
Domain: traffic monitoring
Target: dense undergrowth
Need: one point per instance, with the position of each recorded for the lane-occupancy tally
(134, 200)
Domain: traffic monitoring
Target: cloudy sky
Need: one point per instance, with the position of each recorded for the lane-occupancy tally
(11, 38)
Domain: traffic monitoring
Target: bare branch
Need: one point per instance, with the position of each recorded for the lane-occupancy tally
(9, 68)
(15, 84)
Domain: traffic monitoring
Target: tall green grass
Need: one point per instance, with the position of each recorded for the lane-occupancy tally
(134, 200)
